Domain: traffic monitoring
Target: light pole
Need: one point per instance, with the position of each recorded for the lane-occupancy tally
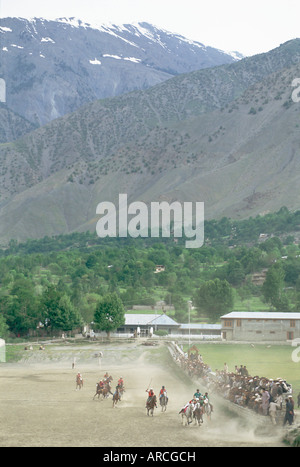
(189, 306)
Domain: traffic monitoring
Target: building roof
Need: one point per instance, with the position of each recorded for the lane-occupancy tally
(194, 326)
(260, 315)
(148, 320)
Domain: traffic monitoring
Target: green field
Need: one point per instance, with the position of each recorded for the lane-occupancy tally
(273, 361)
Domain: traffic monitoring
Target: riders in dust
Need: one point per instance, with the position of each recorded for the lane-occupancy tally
(163, 392)
(197, 397)
(150, 395)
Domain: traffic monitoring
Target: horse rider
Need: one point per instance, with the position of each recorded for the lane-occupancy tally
(150, 395)
(191, 402)
(117, 391)
(101, 384)
(206, 397)
(120, 382)
(163, 392)
(106, 376)
(197, 394)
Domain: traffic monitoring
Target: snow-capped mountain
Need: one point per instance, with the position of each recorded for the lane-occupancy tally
(53, 67)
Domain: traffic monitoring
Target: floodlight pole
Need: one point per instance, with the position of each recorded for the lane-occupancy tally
(189, 306)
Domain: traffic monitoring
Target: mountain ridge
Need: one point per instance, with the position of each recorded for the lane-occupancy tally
(53, 67)
(227, 136)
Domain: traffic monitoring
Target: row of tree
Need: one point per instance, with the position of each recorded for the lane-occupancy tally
(60, 290)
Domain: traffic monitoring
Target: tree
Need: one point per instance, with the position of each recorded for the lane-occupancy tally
(214, 298)
(109, 313)
(21, 310)
(3, 327)
(272, 288)
(60, 314)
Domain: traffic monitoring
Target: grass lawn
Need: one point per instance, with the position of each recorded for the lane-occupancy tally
(251, 304)
(273, 361)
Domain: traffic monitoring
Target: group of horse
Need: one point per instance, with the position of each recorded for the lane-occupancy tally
(195, 411)
(105, 390)
(152, 403)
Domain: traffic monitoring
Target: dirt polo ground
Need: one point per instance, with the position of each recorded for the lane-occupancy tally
(40, 406)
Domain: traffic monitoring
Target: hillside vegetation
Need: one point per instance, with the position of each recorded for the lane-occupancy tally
(70, 274)
(227, 136)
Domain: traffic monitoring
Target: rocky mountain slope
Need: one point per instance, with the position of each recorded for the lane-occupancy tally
(53, 67)
(228, 136)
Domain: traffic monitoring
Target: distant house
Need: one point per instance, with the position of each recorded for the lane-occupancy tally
(159, 268)
(145, 324)
(260, 326)
(258, 278)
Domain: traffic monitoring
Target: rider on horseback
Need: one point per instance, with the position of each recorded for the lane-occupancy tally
(120, 382)
(197, 394)
(163, 393)
(117, 391)
(191, 402)
(206, 397)
(150, 395)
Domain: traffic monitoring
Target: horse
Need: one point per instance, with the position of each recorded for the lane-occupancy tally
(121, 391)
(187, 414)
(108, 380)
(151, 403)
(163, 400)
(116, 397)
(105, 392)
(207, 409)
(102, 391)
(99, 390)
(198, 414)
(79, 382)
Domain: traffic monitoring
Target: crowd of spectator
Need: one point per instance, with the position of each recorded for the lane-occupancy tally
(263, 395)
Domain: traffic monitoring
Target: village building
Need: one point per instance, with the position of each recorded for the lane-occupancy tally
(260, 326)
(203, 329)
(145, 325)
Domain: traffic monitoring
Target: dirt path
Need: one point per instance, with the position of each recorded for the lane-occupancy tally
(40, 406)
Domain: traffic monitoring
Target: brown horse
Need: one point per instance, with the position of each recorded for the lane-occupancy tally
(102, 391)
(99, 390)
(79, 382)
(116, 397)
(198, 414)
(151, 403)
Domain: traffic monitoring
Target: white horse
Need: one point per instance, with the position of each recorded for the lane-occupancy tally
(187, 414)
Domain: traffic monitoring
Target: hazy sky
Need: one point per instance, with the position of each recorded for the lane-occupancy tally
(249, 27)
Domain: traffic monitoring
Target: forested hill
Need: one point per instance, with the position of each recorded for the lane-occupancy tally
(225, 231)
(61, 280)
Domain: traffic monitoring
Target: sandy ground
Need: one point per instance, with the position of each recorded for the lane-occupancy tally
(40, 406)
